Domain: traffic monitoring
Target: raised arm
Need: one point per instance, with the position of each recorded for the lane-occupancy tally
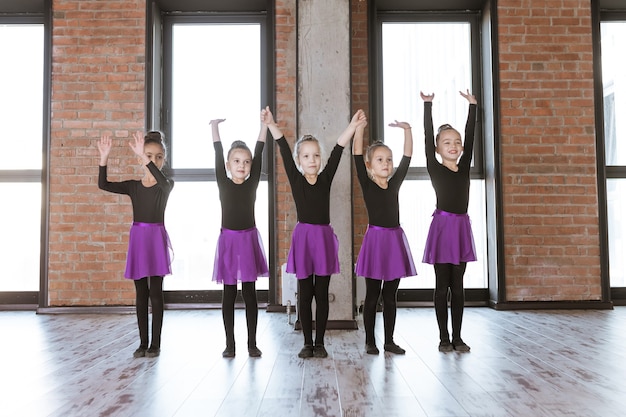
(137, 145)
(468, 144)
(220, 168)
(429, 135)
(104, 147)
(346, 136)
(408, 137)
(215, 130)
(359, 138)
(267, 119)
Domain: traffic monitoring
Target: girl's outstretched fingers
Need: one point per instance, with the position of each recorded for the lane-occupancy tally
(403, 125)
(137, 144)
(427, 97)
(469, 97)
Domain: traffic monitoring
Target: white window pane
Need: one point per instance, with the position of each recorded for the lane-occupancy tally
(417, 203)
(20, 220)
(21, 95)
(215, 74)
(193, 219)
(616, 205)
(614, 86)
(428, 57)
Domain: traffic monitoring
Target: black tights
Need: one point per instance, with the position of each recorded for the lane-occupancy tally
(248, 291)
(149, 289)
(313, 286)
(449, 276)
(372, 293)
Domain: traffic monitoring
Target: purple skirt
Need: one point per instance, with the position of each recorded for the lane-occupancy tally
(450, 239)
(385, 254)
(148, 251)
(314, 250)
(239, 257)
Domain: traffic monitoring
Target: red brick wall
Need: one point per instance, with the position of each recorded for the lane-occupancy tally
(547, 144)
(360, 100)
(548, 150)
(98, 86)
(286, 116)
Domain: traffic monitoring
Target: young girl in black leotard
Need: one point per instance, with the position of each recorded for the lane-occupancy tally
(313, 255)
(450, 243)
(148, 257)
(239, 255)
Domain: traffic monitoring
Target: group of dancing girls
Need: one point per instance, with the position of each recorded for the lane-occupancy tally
(385, 256)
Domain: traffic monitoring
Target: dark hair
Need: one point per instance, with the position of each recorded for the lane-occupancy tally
(238, 144)
(370, 150)
(155, 136)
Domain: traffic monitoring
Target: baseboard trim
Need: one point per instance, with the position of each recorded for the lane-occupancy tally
(552, 305)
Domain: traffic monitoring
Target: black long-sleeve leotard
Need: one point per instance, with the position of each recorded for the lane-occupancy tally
(451, 188)
(238, 199)
(312, 200)
(382, 204)
(148, 202)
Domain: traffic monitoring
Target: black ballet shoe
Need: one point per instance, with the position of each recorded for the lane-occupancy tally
(319, 351)
(393, 348)
(371, 349)
(229, 352)
(306, 352)
(153, 352)
(254, 352)
(460, 346)
(140, 352)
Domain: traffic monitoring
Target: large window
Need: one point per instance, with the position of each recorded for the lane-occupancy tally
(434, 55)
(213, 68)
(613, 34)
(21, 118)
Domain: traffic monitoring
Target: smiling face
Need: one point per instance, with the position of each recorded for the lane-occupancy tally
(449, 145)
(309, 157)
(155, 153)
(239, 164)
(380, 163)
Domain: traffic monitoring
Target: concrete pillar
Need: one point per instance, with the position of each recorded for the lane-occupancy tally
(324, 111)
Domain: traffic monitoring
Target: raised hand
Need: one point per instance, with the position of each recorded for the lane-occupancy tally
(215, 131)
(359, 119)
(469, 97)
(427, 97)
(104, 147)
(403, 125)
(267, 118)
(137, 146)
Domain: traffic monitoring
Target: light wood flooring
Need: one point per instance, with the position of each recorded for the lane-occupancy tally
(522, 363)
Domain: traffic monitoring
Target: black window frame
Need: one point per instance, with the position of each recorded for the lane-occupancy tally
(33, 12)
(162, 15)
(605, 11)
(429, 11)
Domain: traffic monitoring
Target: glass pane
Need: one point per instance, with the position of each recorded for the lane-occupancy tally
(215, 74)
(193, 222)
(614, 88)
(21, 97)
(616, 205)
(417, 202)
(20, 221)
(428, 57)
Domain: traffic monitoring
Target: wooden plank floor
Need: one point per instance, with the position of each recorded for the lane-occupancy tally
(522, 363)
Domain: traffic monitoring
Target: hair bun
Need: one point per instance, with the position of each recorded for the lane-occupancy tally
(238, 144)
(154, 135)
